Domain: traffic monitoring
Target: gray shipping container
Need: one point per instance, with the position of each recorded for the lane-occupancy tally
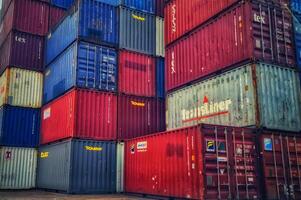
(78, 166)
(120, 167)
(137, 31)
(160, 37)
(18, 168)
(259, 95)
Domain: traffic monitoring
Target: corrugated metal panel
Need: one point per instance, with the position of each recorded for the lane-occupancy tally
(18, 168)
(200, 162)
(137, 31)
(136, 74)
(19, 127)
(160, 8)
(56, 14)
(139, 116)
(62, 3)
(263, 95)
(296, 6)
(120, 168)
(218, 44)
(21, 87)
(160, 83)
(297, 32)
(92, 21)
(61, 166)
(82, 65)
(84, 114)
(22, 50)
(145, 5)
(280, 157)
(160, 36)
(28, 16)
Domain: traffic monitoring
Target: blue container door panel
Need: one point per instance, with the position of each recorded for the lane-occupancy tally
(19, 126)
(143, 5)
(297, 28)
(296, 6)
(97, 67)
(98, 22)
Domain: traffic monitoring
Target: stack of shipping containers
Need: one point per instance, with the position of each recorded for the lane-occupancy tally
(229, 64)
(23, 27)
(99, 88)
(295, 8)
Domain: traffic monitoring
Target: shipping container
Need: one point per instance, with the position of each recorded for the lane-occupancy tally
(19, 127)
(65, 4)
(137, 31)
(249, 31)
(139, 116)
(18, 168)
(83, 65)
(91, 21)
(56, 14)
(78, 166)
(297, 37)
(22, 50)
(200, 162)
(296, 6)
(28, 16)
(160, 37)
(160, 77)
(80, 114)
(160, 8)
(137, 74)
(144, 6)
(20, 87)
(120, 168)
(261, 95)
(281, 165)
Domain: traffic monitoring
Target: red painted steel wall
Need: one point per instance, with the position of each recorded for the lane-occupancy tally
(188, 163)
(139, 116)
(29, 16)
(55, 15)
(243, 33)
(136, 74)
(281, 161)
(22, 50)
(81, 114)
(181, 15)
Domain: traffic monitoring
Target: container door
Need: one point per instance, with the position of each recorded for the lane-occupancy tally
(120, 167)
(244, 164)
(216, 164)
(293, 154)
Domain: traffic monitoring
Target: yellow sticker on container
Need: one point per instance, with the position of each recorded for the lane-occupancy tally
(135, 103)
(44, 154)
(90, 148)
(138, 17)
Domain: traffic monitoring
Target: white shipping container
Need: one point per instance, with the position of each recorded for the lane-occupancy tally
(18, 168)
(160, 37)
(20, 87)
(259, 95)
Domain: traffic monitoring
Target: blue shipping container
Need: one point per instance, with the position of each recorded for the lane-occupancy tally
(160, 77)
(83, 65)
(93, 21)
(296, 6)
(62, 3)
(19, 127)
(78, 166)
(297, 32)
(142, 5)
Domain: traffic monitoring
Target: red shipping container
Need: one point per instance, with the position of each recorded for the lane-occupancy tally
(55, 16)
(137, 74)
(249, 31)
(160, 8)
(139, 116)
(80, 114)
(200, 162)
(30, 16)
(22, 50)
(281, 161)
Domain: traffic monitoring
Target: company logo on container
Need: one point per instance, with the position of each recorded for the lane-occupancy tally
(90, 148)
(173, 62)
(44, 154)
(259, 18)
(138, 17)
(20, 39)
(142, 146)
(139, 104)
(207, 110)
(173, 20)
